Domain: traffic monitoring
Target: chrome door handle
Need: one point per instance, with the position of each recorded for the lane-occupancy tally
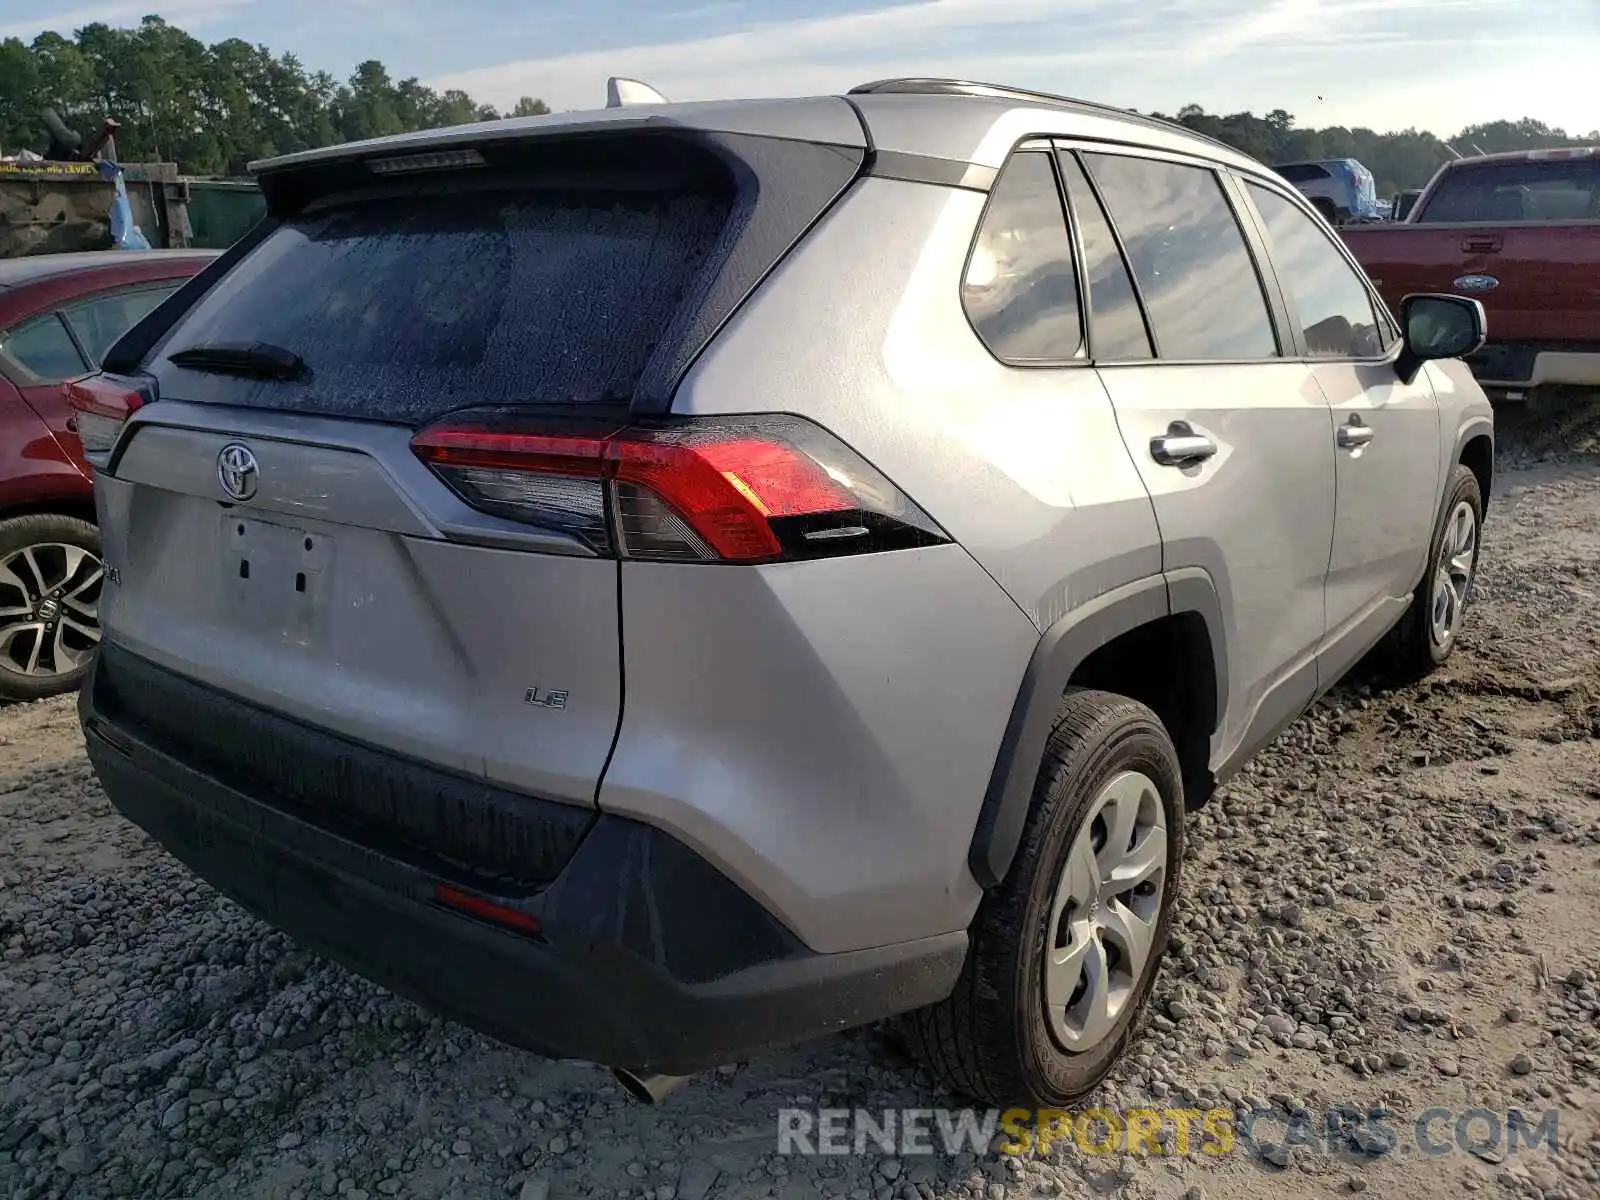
(1181, 449)
(1352, 437)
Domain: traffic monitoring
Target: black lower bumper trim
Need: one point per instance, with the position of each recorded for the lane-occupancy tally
(649, 957)
(516, 841)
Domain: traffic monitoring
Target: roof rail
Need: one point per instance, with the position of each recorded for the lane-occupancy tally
(962, 87)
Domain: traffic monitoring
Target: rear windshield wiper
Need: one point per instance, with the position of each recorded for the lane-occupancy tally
(258, 360)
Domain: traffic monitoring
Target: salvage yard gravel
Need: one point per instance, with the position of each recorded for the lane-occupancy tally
(1396, 907)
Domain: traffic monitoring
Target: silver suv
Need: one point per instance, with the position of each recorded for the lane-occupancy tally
(662, 583)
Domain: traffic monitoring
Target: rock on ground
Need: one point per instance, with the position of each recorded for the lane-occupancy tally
(1397, 904)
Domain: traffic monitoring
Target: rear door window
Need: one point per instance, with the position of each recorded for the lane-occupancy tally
(43, 347)
(1189, 256)
(407, 307)
(1021, 289)
(100, 321)
(1118, 331)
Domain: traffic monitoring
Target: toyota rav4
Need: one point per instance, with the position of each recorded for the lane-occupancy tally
(662, 583)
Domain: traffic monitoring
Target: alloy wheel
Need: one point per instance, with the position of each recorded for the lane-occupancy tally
(1105, 912)
(1452, 578)
(49, 609)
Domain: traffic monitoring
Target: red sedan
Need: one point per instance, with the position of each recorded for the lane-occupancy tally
(59, 314)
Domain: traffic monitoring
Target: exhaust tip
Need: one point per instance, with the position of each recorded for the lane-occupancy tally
(647, 1088)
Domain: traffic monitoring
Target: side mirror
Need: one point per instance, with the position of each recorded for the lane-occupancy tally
(1438, 326)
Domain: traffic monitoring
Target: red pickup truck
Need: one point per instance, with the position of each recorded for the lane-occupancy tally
(1519, 232)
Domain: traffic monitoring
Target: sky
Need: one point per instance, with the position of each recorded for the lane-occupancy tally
(1386, 64)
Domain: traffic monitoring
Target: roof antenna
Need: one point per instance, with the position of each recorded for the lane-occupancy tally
(622, 92)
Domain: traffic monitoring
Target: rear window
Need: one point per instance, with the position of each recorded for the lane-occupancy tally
(1513, 191)
(1303, 172)
(406, 307)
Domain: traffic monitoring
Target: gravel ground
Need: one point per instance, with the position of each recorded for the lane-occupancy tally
(1398, 904)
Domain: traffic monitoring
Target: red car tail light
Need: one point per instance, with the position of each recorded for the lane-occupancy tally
(741, 490)
(101, 404)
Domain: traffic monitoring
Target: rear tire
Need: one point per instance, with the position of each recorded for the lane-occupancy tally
(1431, 626)
(49, 604)
(996, 1038)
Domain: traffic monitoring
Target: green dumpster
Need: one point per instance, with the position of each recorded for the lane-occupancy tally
(221, 211)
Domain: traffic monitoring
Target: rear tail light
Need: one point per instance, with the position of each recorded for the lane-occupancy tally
(101, 404)
(743, 490)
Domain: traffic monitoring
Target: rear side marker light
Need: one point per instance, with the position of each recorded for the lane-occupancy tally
(487, 910)
(746, 490)
(101, 404)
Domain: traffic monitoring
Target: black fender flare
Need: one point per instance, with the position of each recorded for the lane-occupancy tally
(1062, 648)
(1472, 429)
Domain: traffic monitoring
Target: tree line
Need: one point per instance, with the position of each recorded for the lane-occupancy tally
(210, 109)
(1406, 159)
(213, 109)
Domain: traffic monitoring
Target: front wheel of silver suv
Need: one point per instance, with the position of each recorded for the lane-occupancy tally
(1064, 952)
(1427, 633)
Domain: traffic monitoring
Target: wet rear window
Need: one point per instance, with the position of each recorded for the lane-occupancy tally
(404, 308)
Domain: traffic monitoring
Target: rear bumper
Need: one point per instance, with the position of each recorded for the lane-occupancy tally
(647, 957)
(1521, 366)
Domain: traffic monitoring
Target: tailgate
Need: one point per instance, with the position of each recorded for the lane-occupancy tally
(1536, 282)
(335, 597)
(275, 536)
(1546, 280)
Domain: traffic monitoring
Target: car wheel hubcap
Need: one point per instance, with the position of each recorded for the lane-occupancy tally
(1452, 576)
(1103, 918)
(49, 609)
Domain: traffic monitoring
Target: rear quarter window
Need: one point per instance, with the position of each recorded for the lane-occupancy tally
(1020, 290)
(410, 306)
(101, 320)
(43, 348)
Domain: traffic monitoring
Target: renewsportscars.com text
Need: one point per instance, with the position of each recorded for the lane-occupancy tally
(1344, 1130)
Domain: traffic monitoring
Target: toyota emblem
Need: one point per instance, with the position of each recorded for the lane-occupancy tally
(237, 471)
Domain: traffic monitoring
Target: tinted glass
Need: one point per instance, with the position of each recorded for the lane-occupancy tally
(44, 347)
(101, 321)
(1194, 269)
(1550, 190)
(1334, 307)
(1020, 291)
(1303, 172)
(1119, 330)
(409, 307)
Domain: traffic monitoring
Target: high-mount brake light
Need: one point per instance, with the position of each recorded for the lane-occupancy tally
(437, 160)
(101, 405)
(745, 490)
